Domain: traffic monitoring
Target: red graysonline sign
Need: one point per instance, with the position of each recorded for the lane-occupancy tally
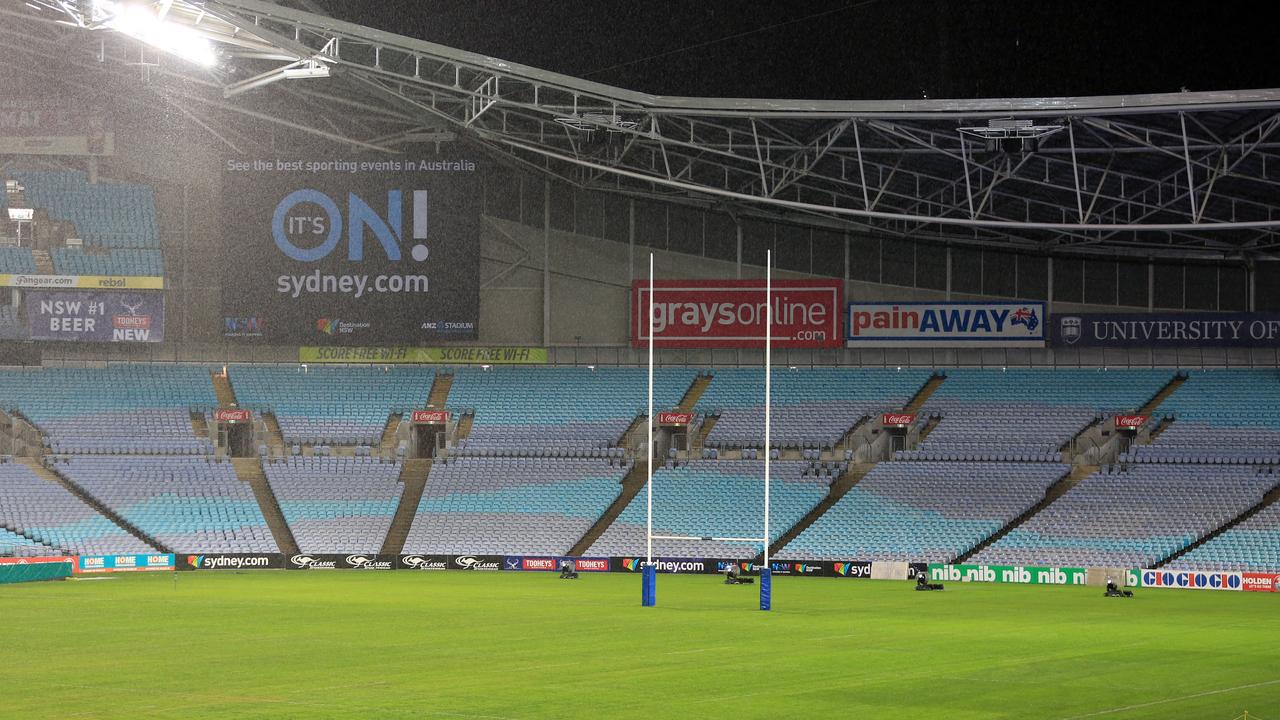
(731, 313)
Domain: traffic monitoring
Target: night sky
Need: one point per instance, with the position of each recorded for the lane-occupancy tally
(876, 49)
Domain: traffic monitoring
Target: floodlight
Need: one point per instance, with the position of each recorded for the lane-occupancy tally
(307, 71)
(140, 23)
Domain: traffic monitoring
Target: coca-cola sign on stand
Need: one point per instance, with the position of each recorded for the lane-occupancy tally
(430, 417)
(897, 419)
(674, 418)
(1130, 422)
(231, 415)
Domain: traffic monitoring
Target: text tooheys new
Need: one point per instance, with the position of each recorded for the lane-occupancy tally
(733, 313)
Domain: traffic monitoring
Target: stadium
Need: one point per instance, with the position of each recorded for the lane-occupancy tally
(349, 373)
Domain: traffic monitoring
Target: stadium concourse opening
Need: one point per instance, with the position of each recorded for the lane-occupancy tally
(336, 347)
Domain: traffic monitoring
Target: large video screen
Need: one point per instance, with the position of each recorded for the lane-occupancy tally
(351, 251)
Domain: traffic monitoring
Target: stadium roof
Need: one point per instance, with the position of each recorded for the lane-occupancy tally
(1187, 174)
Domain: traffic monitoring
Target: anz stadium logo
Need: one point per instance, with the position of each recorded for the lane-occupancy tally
(1069, 328)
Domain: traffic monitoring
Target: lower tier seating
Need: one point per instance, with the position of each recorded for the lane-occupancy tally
(517, 506)
(924, 511)
(336, 504)
(188, 504)
(1131, 518)
(49, 515)
(719, 498)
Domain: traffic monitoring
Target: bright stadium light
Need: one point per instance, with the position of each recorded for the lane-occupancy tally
(140, 23)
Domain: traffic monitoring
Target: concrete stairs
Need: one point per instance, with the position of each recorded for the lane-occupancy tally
(59, 479)
(694, 393)
(387, 444)
(274, 436)
(249, 470)
(632, 483)
(842, 485)
(924, 393)
(438, 397)
(1055, 491)
(1160, 428)
(1268, 499)
(44, 263)
(1150, 407)
(198, 424)
(223, 390)
(413, 473)
(699, 439)
(928, 427)
(464, 426)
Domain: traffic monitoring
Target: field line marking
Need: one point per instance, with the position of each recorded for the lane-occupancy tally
(1174, 699)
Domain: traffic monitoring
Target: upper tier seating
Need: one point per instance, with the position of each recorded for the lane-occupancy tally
(17, 260)
(118, 215)
(516, 505)
(75, 261)
(720, 498)
(1132, 518)
(1220, 417)
(1024, 414)
(812, 407)
(332, 405)
(336, 504)
(533, 409)
(188, 504)
(1252, 545)
(924, 511)
(48, 514)
(119, 408)
(1228, 398)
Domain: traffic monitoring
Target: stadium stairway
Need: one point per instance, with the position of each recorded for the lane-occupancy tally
(1269, 499)
(222, 389)
(272, 424)
(249, 470)
(44, 263)
(694, 393)
(1055, 491)
(1154, 403)
(413, 474)
(58, 478)
(925, 392)
(198, 424)
(389, 441)
(632, 483)
(843, 484)
(438, 397)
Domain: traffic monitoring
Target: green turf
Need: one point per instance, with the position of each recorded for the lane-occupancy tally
(277, 644)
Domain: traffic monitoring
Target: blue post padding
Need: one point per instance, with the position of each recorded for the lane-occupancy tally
(766, 588)
(649, 586)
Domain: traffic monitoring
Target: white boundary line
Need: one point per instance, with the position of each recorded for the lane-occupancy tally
(1174, 699)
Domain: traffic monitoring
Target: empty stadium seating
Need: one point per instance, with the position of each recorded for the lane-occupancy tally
(1227, 398)
(15, 260)
(1252, 545)
(1024, 414)
(1191, 441)
(812, 407)
(511, 505)
(335, 405)
(925, 511)
(720, 498)
(119, 408)
(1131, 518)
(528, 410)
(109, 214)
(336, 504)
(187, 504)
(49, 515)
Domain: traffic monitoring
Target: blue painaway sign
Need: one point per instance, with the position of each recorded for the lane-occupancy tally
(91, 316)
(1167, 330)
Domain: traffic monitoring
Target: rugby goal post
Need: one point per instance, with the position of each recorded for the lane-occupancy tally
(649, 574)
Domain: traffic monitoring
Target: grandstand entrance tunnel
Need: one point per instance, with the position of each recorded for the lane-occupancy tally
(237, 438)
(425, 439)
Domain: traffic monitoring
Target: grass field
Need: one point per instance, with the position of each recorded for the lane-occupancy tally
(278, 644)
